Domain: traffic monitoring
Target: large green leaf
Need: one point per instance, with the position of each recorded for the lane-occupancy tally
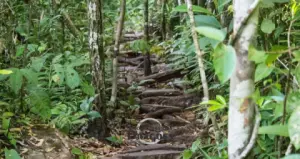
(211, 32)
(209, 21)
(267, 26)
(16, 80)
(11, 154)
(187, 154)
(59, 76)
(30, 75)
(293, 101)
(281, 130)
(262, 71)
(72, 78)
(40, 102)
(256, 56)
(224, 61)
(294, 128)
(20, 50)
(5, 72)
(183, 8)
(38, 62)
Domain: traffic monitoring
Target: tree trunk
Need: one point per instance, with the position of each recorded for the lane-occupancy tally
(241, 109)
(98, 63)
(201, 66)
(164, 20)
(116, 52)
(147, 64)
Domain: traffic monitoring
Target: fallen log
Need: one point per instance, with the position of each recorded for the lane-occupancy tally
(179, 101)
(161, 112)
(164, 76)
(157, 147)
(173, 122)
(160, 92)
(156, 154)
(128, 61)
(147, 108)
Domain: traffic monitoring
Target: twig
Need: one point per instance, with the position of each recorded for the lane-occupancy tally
(284, 51)
(243, 23)
(287, 88)
(254, 134)
(12, 11)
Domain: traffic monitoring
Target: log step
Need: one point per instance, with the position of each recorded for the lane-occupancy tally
(160, 92)
(179, 101)
(146, 108)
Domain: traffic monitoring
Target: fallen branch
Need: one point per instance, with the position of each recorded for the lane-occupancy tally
(161, 112)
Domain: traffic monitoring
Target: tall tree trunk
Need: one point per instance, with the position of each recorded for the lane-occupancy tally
(147, 64)
(116, 52)
(241, 109)
(201, 66)
(164, 20)
(98, 63)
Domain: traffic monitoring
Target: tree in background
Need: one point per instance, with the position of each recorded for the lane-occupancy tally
(118, 34)
(147, 62)
(97, 64)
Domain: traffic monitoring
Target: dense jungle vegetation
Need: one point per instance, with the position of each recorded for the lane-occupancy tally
(211, 79)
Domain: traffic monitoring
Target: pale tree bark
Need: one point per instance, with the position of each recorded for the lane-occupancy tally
(116, 52)
(147, 64)
(201, 66)
(241, 109)
(95, 17)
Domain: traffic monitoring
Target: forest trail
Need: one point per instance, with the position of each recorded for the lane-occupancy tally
(162, 100)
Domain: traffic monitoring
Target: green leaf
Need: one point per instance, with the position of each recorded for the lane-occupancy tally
(267, 26)
(221, 99)
(30, 75)
(88, 89)
(281, 130)
(5, 123)
(20, 50)
(215, 108)
(59, 77)
(72, 78)
(262, 71)
(183, 8)
(212, 33)
(195, 145)
(94, 114)
(256, 56)
(5, 72)
(294, 128)
(187, 154)
(293, 156)
(224, 61)
(208, 21)
(210, 102)
(293, 101)
(42, 47)
(40, 101)
(38, 62)
(16, 80)
(11, 154)
(76, 151)
(8, 114)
